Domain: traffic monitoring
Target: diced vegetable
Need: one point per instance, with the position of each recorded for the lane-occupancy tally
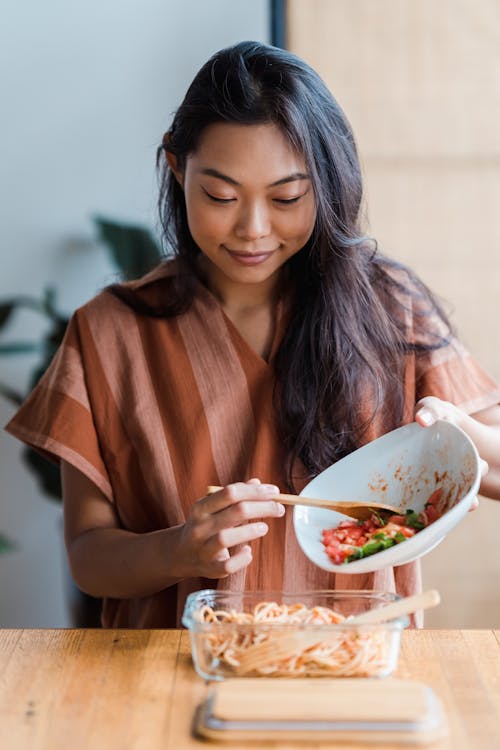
(413, 521)
(353, 540)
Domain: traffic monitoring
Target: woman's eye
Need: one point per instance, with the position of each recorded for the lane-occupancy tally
(288, 201)
(216, 199)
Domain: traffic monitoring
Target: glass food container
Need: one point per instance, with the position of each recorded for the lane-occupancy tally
(276, 634)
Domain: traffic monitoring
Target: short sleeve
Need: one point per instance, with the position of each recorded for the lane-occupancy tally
(439, 365)
(56, 419)
(452, 373)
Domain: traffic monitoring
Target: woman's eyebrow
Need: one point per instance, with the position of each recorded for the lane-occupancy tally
(220, 176)
(215, 173)
(291, 178)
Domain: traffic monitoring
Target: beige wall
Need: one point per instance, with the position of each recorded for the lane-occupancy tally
(420, 83)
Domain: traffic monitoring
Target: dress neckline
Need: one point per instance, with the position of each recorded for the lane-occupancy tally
(280, 320)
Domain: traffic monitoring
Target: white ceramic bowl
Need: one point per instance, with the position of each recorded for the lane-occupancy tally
(401, 468)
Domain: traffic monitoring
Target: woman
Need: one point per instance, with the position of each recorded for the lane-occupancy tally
(274, 343)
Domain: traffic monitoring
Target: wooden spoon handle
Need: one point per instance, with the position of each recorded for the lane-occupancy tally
(355, 509)
(341, 506)
(406, 606)
(296, 500)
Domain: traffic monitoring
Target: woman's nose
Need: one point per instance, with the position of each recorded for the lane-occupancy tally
(253, 222)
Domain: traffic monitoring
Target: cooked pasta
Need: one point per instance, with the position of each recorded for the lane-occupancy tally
(334, 652)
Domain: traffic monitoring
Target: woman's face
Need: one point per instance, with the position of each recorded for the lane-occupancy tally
(249, 201)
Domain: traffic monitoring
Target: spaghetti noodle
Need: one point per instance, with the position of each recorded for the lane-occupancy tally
(332, 652)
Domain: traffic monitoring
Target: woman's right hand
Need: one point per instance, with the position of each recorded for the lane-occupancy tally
(109, 561)
(214, 541)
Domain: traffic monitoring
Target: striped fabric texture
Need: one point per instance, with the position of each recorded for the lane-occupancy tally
(154, 410)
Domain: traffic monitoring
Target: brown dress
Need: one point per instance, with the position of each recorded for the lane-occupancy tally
(154, 410)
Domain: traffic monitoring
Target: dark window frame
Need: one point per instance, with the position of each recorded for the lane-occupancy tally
(278, 23)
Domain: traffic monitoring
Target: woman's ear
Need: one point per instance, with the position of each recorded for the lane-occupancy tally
(172, 161)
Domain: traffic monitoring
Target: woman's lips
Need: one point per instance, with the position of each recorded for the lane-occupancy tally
(248, 259)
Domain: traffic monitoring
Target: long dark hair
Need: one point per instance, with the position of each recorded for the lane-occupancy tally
(343, 356)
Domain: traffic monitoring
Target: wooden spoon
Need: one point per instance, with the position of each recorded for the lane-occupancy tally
(282, 645)
(404, 606)
(358, 509)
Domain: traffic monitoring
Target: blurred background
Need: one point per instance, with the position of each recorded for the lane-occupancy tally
(87, 91)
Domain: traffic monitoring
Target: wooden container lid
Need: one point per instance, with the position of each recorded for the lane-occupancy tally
(386, 711)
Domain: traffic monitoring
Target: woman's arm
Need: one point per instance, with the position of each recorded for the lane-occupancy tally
(108, 561)
(483, 428)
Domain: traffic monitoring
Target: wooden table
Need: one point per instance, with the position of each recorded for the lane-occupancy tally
(137, 689)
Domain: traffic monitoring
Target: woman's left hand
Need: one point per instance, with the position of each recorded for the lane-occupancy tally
(429, 409)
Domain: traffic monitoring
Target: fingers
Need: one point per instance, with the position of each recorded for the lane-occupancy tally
(223, 564)
(222, 555)
(425, 417)
(474, 504)
(222, 524)
(236, 562)
(429, 409)
(236, 493)
(484, 469)
(231, 537)
(246, 511)
(235, 525)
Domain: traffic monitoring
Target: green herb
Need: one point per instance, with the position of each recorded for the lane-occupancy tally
(412, 520)
(355, 555)
(380, 518)
(370, 548)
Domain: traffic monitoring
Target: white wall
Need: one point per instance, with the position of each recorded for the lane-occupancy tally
(87, 91)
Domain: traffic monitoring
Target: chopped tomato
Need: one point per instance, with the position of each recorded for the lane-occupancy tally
(355, 533)
(435, 497)
(431, 513)
(407, 532)
(337, 555)
(354, 539)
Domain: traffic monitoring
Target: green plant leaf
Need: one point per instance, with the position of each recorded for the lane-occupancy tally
(132, 248)
(135, 252)
(11, 395)
(50, 345)
(48, 303)
(5, 312)
(20, 347)
(7, 307)
(48, 473)
(6, 544)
